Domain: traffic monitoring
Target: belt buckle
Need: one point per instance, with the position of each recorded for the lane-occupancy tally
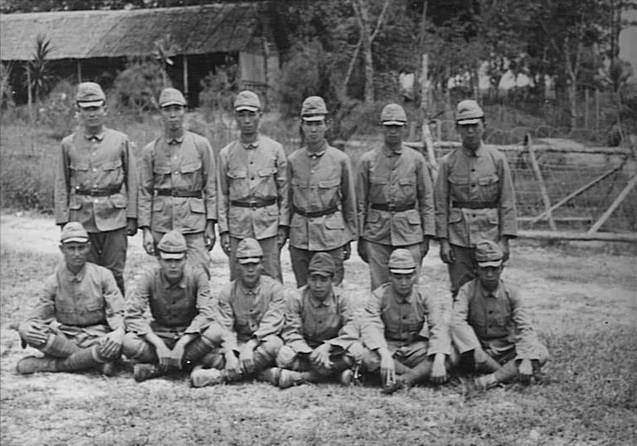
(173, 193)
(253, 204)
(94, 192)
(391, 207)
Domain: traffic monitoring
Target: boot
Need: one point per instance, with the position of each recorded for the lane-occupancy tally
(195, 351)
(143, 371)
(80, 360)
(270, 375)
(505, 373)
(33, 364)
(201, 377)
(58, 346)
(289, 378)
(109, 368)
(488, 366)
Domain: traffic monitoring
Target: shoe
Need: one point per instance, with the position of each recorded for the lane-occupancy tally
(33, 364)
(109, 368)
(270, 375)
(388, 389)
(142, 372)
(485, 382)
(289, 378)
(201, 377)
(346, 377)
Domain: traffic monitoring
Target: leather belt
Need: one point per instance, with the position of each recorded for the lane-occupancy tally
(261, 203)
(314, 214)
(474, 204)
(99, 192)
(393, 208)
(178, 193)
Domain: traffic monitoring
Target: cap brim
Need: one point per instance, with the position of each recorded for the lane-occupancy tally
(468, 121)
(246, 107)
(402, 270)
(494, 263)
(87, 104)
(249, 260)
(166, 104)
(400, 123)
(171, 255)
(321, 273)
(313, 118)
(75, 239)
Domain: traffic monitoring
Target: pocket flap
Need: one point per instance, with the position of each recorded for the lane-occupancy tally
(267, 172)
(334, 221)
(112, 165)
(485, 181)
(413, 217)
(162, 170)
(406, 181)
(118, 200)
(455, 215)
(378, 180)
(238, 173)
(79, 166)
(458, 180)
(196, 205)
(329, 183)
(192, 166)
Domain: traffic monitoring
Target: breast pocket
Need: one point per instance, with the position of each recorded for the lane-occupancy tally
(377, 189)
(458, 188)
(489, 187)
(266, 186)
(79, 174)
(407, 188)
(238, 186)
(328, 192)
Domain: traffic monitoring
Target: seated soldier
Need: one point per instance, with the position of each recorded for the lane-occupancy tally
(78, 321)
(179, 299)
(491, 326)
(405, 331)
(320, 339)
(251, 311)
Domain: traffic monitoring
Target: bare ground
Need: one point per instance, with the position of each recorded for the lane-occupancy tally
(584, 304)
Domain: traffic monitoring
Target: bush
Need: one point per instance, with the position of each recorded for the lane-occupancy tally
(218, 91)
(137, 87)
(57, 112)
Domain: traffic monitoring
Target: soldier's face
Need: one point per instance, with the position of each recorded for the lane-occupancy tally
(75, 254)
(249, 273)
(248, 121)
(320, 286)
(314, 131)
(489, 276)
(403, 283)
(92, 117)
(172, 269)
(393, 134)
(471, 135)
(172, 117)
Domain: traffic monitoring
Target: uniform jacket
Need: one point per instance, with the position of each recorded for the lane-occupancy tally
(255, 173)
(399, 179)
(105, 164)
(188, 166)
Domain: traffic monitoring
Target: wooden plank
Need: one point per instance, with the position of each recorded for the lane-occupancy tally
(540, 147)
(540, 180)
(622, 195)
(582, 236)
(586, 219)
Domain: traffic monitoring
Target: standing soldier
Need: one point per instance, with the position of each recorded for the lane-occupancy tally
(96, 183)
(394, 194)
(322, 197)
(474, 198)
(177, 184)
(253, 189)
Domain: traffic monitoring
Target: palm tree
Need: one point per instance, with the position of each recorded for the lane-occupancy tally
(165, 47)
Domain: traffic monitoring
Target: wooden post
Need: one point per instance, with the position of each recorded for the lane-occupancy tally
(79, 71)
(424, 85)
(596, 111)
(29, 95)
(586, 100)
(540, 180)
(185, 67)
(622, 195)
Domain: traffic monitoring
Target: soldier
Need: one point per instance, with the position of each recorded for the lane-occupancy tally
(491, 325)
(96, 183)
(320, 339)
(180, 303)
(253, 189)
(405, 331)
(322, 200)
(251, 312)
(177, 184)
(394, 196)
(78, 321)
(474, 198)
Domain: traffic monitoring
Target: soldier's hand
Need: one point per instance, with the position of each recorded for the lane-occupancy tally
(111, 344)
(165, 357)
(36, 334)
(362, 250)
(525, 371)
(246, 356)
(320, 356)
(149, 243)
(347, 250)
(446, 255)
(438, 369)
(479, 356)
(225, 243)
(282, 236)
(387, 369)
(131, 227)
(233, 366)
(209, 235)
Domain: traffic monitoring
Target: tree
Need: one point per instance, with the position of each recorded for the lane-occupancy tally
(38, 76)
(164, 48)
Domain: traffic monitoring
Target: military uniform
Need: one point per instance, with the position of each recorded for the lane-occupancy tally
(322, 202)
(178, 188)
(96, 185)
(394, 196)
(475, 200)
(253, 193)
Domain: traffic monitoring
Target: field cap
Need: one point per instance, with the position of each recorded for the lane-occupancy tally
(468, 112)
(172, 245)
(171, 96)
(249, 251)
(313, 109)
(247, 100)
(393, 114)
(74, 232)
(401, 262)
(89, 94)
(323, 264)
(488, 253)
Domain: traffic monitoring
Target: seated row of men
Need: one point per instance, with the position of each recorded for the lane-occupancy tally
(256, 328)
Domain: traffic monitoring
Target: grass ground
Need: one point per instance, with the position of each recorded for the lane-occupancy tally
(584, 305)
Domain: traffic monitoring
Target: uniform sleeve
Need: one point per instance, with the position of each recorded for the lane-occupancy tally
(349, 332)
(349, 200)
(44, 308)
(61, 186)
(137, 302)
(292, 333)
(441, 200)
(114, 301)
(146, 187)
(362, 190)
(506, 209)
(224, 315)
(373, 328)
(527, 344)
(130, 165)
(273, 319)
(223, 200)
(439, 333)
(283, 184)
(209, 180)
(205, 305)
(463, 335)
(425, 198)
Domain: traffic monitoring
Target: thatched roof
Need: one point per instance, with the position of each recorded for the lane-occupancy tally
(87, 34)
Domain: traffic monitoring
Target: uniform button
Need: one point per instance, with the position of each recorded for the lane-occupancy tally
(404, 317)
(251, 162)
(94, 169)
(473, 215)
(176, 172)
(252, 178)
(473, 185)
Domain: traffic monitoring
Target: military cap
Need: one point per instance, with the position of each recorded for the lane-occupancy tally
(172, 245)
(171, 96)
(488, 253)
(313, 109)
(322, 263)
(74, 232)
(393, 114)
(249, 251)
(401, 262)
(468, 112)
(89, 94)
(247, 100)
